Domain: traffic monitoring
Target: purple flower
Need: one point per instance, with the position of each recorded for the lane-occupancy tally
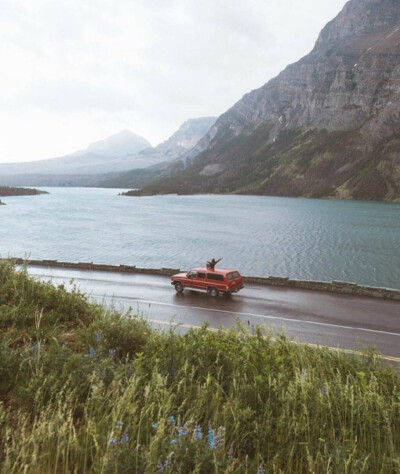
(112, 352)
(112, 441)
(92, 352)
(171, 419)
(182, 431)
(168, 464)
(210, 438)
(98, 335)
(119, 424)
(197, 433)
(260, 469)
(154, 426)
(124, 439)
(215, 440)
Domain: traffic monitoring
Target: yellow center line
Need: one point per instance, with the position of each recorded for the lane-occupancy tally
(317, 346)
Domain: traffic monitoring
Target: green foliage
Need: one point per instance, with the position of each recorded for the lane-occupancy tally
(87, 390)
(299, 162)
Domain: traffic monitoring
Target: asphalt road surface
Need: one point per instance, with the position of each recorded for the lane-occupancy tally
(351, 323)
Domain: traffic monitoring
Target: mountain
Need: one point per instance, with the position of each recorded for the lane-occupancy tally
(107, 161)
(117, 152)
(170, 156)
(121, 144)
(326, 126)
(188, 135)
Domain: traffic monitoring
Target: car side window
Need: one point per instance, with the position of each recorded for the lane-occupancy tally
(201, 275)
(192, 274)
(215, 277)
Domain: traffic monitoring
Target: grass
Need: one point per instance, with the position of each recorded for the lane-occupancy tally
(87, 390)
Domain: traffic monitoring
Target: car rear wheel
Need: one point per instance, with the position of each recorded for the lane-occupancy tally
(213, 292)
(178, 287)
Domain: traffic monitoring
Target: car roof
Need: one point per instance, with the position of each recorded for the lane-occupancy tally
(222, 271)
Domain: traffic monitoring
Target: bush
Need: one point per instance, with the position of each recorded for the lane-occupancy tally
(102, 392)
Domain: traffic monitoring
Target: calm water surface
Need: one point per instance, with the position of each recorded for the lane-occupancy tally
(261, 236)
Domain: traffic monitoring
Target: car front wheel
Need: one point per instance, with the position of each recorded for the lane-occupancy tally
(213, 292)
(178, 287)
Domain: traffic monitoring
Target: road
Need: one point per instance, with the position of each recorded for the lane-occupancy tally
(335, 320)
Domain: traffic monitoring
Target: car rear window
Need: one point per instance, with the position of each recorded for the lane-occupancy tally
(215, 276)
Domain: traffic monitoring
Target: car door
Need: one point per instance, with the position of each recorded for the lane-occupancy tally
(201, 280)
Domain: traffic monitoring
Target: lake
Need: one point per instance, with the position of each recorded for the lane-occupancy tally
(261, 236)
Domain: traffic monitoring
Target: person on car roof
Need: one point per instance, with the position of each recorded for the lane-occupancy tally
(211, 264)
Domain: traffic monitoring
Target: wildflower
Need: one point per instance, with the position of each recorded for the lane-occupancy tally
(92, 352)
(182, 431)
(197, 434)
(230, 452)
(124, 439)
(154, 426)
(171, 419)
(160, 467)
(98, 336)
(218, 438)
(324, 389)
(119, 424)
(168, 464)
(112, 441)
(112, 352)
(173, 441)
(260, 469)
(221, 431)
(210, 438)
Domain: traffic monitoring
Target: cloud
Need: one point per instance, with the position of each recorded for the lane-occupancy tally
(146, 64)
(67, 97)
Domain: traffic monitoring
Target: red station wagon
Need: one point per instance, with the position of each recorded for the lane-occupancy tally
(212, 281)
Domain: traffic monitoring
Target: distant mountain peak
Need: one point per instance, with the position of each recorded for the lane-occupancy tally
(186, 137)
(119, 144)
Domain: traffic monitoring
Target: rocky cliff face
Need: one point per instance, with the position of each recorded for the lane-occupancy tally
(184, 139)
(282, 138)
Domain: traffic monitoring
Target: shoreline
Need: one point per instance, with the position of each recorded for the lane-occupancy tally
(10, 191)
(345, 288)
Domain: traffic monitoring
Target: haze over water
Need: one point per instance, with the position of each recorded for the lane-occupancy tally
(261, 236)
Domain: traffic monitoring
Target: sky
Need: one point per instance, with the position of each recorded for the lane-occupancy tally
(76, 71)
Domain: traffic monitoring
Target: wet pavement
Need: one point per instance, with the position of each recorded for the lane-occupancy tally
(336, 320)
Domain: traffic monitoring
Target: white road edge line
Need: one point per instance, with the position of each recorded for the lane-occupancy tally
(279, 318)
(337, 349)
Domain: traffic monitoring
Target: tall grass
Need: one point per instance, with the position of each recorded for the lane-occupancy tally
(85, 390)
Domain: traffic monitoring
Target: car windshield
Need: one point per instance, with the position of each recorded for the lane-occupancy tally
(233, 275)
